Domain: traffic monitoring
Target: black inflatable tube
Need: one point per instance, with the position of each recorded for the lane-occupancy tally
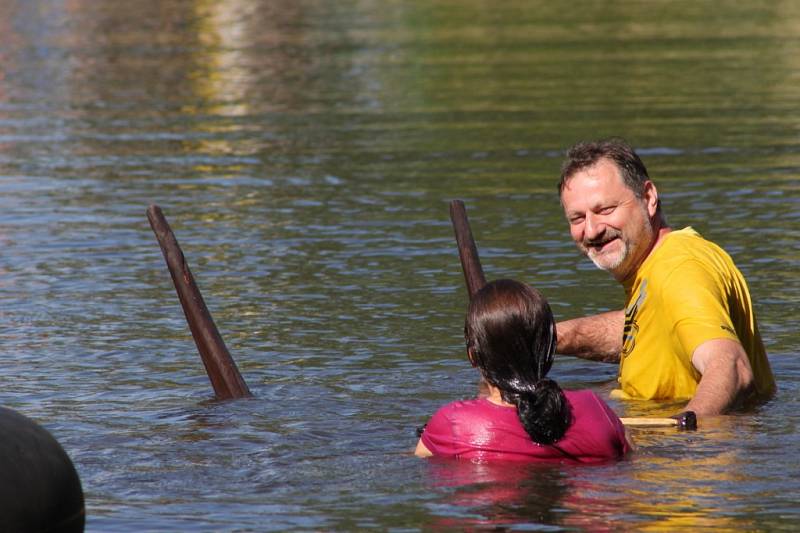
(39, 487)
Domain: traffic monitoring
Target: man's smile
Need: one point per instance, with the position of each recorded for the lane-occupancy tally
(601, 245)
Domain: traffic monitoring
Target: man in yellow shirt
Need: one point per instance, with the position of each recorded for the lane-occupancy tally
(688, 330)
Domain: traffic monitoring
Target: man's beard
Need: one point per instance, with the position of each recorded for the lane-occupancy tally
(608, 261)
(612, 261)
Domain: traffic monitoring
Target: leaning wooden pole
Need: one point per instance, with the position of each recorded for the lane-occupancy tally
(220, 366)
(467, 250)
(470, 262)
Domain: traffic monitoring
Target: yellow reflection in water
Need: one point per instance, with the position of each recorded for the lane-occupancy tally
(680, 491)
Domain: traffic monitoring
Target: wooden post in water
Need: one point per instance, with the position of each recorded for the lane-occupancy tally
(470, 263)
(467, 251)
(220, 366)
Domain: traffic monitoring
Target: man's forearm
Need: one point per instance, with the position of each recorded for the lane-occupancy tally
(597, 337)
(714, 395)
(727, 377)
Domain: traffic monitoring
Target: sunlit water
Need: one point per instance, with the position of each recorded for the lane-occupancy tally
(305, 153)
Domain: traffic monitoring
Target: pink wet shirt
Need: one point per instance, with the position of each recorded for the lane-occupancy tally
(480, 429)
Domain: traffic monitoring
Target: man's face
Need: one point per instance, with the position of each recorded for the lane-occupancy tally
(606, 219)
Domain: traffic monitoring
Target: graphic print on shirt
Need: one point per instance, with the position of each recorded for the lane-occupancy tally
(631, 326)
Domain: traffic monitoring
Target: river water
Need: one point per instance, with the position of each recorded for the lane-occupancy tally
(305, 153)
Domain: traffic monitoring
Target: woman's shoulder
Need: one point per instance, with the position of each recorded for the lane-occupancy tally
(583, 397)
(473, 413)
(587, 406)
(596, 431)
(473, 406)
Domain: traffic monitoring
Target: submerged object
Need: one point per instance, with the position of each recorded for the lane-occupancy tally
(39, 487)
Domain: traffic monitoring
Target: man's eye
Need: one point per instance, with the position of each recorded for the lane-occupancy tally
(607, 210)
(576, 220)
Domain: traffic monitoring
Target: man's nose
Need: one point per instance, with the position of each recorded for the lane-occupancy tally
(593, 227)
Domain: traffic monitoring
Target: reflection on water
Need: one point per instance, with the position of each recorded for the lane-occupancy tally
(304, 153)
(501, 493)
(672, 483)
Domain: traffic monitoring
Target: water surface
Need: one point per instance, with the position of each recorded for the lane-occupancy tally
(305, 154)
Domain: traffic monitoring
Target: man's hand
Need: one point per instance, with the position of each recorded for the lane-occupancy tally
(597, 337)
(727, 377)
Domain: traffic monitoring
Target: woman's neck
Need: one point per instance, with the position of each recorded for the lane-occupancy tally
(495, 397)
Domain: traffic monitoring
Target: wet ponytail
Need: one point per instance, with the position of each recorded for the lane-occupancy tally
(511, 336)
(544, 413)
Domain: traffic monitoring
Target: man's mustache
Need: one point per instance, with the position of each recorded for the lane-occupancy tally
(607, 236)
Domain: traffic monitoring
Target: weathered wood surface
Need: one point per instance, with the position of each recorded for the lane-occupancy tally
(467, 250)
(225, 377)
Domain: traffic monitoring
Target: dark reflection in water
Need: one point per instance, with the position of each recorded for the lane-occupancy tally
(305, 152)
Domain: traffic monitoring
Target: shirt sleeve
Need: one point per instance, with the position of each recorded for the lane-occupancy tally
(621, 441)
(438, 434)
(696, 303)
(616, 443)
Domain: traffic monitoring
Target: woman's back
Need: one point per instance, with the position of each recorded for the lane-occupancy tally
(481, 429)
(510, 335)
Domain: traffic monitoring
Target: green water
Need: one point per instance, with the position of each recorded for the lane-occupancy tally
(305, 154)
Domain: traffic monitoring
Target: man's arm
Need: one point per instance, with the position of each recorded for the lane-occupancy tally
(597, 337)
(727, 376)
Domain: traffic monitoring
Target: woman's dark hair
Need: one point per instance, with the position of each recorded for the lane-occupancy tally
(511, 337)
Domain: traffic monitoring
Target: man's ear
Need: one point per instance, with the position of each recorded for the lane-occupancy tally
(650, 196)
(471, 356)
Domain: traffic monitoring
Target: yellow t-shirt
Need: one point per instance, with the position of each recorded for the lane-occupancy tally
(687, 292)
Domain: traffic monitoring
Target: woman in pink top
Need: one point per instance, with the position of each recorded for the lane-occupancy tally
(511, 339)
